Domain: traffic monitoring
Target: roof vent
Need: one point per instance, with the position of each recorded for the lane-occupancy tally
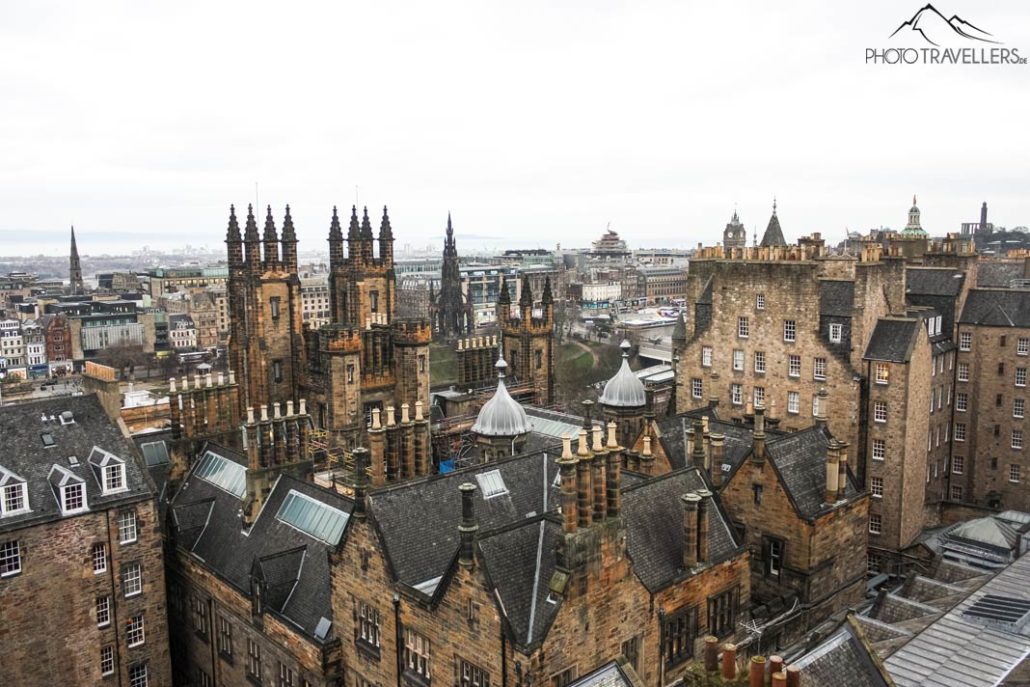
(67, 418)
(492, 484)
(48, 440)
(73, 461)
(1004, 611)
(322, 629)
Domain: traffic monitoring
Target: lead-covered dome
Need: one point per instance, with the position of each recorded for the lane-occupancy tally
(624, 390)
(502, 415)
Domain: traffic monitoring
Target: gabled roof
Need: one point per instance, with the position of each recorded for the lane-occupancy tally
(653, 512)
(207, 523)
(800, 460)
(995, 273)
(997, 308)
(843, 659)
(893, 340)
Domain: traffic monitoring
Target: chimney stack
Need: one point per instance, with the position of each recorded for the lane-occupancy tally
(713, 390)
(717, 455)
(729, 661)
(568, 493)
(360, 480)
(583, 487)
(647, 458)
(842, 475)
(613, 475)
(690, 507)
(756, 674)
(597, 476)
(832, 458)
(704, 513)
(711, 654)
(758, 454)
(468, 528)
(820, 407)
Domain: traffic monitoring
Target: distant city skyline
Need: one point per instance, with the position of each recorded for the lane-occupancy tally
(535, 124)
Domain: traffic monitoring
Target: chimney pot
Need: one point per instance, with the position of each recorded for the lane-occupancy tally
(171, 385)
(566, 446)
(468, 528)
(582, 450)
(289, 408)
(756, 674)
(793, 676)
(221, 378)
(250, 415)
(597, 446)
(404, 413)
(612, 441)
(418, 411)
(275, 410)
(375, 419)
(264, 413)
(232, 376)
(690, 503)
(303, 407)
(391, 419)
(729, 661)
(711, 654)
(647, 448)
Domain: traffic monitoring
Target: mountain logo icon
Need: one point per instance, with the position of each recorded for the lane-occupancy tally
(935, 29)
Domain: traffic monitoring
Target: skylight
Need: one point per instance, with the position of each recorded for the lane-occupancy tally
(155, 453)
(223, 473)
(312, 517)
(492, 484)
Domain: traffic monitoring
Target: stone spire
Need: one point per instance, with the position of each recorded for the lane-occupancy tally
(548, 297)
(289, 251)
(366, 239)
(335, 241)
(385, 239)
(504, 301)
(233, 240)
(773, 234)
(271, 240)
(252, 242)
(75, 269)
(526, 297)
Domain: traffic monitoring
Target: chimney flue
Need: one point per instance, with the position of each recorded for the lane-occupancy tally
(468, 528)
(360, 480)
(759, 434)
(704, 513)
(832, 458)
(690, 506)
(717, 455)
(842, 474)
(567, 475)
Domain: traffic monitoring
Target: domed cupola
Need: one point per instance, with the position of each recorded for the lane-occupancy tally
(624, 390)
(502, 415)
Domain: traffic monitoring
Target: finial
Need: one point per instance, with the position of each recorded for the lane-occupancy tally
(913, 199)
(774, 205)
(625, 346)
(501, 366)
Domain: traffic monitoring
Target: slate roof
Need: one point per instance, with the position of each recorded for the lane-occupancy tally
(773, 235)
(608, 675)
(295, 566)
(998, 274)
(800, 460)
(893, 340)
(24, 455)
(519, 563)
(958, 650)
(736, 446)
(418, 520)
(653, 513)
(843, 659)
(997, 308)
(934, 281)
(836, 297)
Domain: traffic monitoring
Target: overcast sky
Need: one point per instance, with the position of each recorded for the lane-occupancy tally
(533, 123)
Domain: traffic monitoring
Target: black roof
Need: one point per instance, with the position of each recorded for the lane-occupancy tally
(997, 273)
(843, 659)
(893, 340)
(653, 512)
(997, 308)
(934, 281)
(836, 297)
(736, 444)
(76, 425)
(800, 460)
(207, 522)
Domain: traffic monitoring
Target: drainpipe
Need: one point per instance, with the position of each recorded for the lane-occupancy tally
(504, 658)
(399, 636)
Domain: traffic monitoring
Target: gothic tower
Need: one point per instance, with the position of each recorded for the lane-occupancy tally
(734, 235)
(528, 341)
(452, 313)
(265, 316)
(773, 233)
(75, 270)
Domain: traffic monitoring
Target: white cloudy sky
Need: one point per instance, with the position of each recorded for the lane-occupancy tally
(532, 122)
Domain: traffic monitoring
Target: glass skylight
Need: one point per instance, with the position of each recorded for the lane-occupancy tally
(223, 473)
(312, 517)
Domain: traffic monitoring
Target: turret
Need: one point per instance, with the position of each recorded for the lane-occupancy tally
(336, 255)
(385, 240)
(252, 243)
(353, 237)
(504, 302)
(366, 240)
(289, 254)
(526, 301)
(548, 300)
(234, 241)
(271, 242)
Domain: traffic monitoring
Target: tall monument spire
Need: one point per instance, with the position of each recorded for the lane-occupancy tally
(75, 269)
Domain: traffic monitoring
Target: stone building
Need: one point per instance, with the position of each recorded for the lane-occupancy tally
(82, 578)
(735, 234)
(451, 310)
(989, 464)
(528, 339)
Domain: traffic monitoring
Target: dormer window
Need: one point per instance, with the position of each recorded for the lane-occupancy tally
(73, 498)
(114, 478)
(109, 470)
(14, 495)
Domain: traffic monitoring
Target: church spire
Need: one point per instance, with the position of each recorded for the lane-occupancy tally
(252, 242)
(75, 269)
(385, 240)
(335, 241)
(271, 240)
(289, 251)
(233, 240)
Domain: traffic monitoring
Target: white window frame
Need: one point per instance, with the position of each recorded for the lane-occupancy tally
(1021, 376)
(697, 388)
(98, 556)
(876, 487)
(107, 660)
(10, 556)
(880, 411)
(793, 365)
(1016, 439)
(760, 362)
(875, 523)
(65, 496)
(737, 394)
(790, 331)
(706, 356)
(883, 373)
(137, 630)
(132, 580)
(1018, 408)
(1023, 346)
(793, 402)
(1015, 473)
(961, 402)
(836, 333)
(103, 611)
(738, 359)
(7, 495)
(127, 525)
(819, 369)
(956, 492)
(958, 465)
(965, 341)
(112, 473)
(758, 396)
(760, 301)
(137, 679)
(959, 431)
(962, 374)
(877, 454)
(743, 327)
